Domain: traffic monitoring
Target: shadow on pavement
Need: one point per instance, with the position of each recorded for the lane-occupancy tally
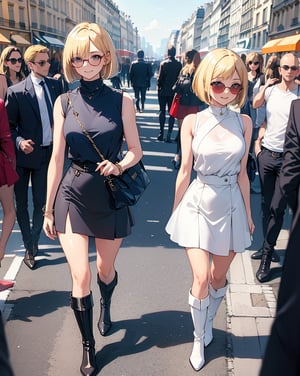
(38, 305)
(158, 329)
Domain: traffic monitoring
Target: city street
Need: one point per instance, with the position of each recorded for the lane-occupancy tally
(152, 329)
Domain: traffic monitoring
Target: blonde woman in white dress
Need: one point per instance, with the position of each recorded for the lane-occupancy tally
(211, 216)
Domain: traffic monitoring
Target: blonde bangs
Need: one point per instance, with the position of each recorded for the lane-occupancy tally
(225, 68)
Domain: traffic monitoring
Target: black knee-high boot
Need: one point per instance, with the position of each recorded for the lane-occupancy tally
(104, 323)
(83, 310)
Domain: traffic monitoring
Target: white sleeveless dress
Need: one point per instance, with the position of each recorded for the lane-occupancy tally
(212, 214)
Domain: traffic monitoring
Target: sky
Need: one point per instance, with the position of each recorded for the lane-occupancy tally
(155, 19)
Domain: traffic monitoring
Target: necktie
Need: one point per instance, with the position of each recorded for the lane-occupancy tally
(48, 103)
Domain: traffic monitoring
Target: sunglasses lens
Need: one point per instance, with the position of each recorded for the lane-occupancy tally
(14, 61)
(42, 63)
(235, 88)
(217, 87)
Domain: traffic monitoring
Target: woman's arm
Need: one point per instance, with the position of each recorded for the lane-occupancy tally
(55, 168)
(184, 173)
(6, 142)
(261, 133)
(134, 153)
(243, 180)
(3, 86)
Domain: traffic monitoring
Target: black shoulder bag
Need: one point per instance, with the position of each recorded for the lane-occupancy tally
(125, 189)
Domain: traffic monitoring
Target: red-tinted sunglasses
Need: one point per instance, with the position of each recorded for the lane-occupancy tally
(219, 88)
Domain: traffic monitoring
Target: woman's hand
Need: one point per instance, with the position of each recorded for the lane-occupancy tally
(108, 168)
(251, 226)
(49, 227)
(257, 147)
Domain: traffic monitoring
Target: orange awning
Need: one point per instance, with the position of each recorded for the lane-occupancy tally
(19, 40)
(270, 46)
(4, 40)
(290, 43)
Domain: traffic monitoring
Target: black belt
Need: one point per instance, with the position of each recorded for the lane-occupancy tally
(275, 154)
(84, 166)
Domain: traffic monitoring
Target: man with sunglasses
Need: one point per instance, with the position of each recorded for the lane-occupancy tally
(29, 107)
(269, 152)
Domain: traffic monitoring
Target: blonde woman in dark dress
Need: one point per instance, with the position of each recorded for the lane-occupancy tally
(77, 205)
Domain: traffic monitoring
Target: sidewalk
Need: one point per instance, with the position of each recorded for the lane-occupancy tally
(251, 308)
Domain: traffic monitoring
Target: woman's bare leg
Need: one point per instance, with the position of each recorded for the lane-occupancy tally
(9, 216)
(219, 269)
(75, 247)
(199, 261)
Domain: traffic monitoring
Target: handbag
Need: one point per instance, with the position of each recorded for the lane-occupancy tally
(126, 189)
(175, 105)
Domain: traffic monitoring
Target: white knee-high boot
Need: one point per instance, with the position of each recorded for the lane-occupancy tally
(199, 314)
(215, 299)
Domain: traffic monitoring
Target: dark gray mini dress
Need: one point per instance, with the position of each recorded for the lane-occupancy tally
(82, 192)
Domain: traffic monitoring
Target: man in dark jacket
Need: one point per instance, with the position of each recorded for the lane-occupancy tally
(282, 356)
(140, 75)
(168, 73)
(30, 113)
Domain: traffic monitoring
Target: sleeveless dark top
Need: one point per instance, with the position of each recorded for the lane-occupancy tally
(84, 195)
(99, 109)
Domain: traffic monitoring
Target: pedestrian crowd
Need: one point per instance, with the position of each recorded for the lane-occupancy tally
(226, 109)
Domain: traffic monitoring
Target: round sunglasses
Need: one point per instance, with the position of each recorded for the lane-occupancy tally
(253, 62)
(219, 88)
(14, 61)
(93, 60)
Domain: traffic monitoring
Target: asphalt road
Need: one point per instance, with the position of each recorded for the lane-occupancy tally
(152, 328)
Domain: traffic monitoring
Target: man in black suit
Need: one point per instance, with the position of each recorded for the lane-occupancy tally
(30, 112)
(282, 355)
(140, 74)
(169, 70)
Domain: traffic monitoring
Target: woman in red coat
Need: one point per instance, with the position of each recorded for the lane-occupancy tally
(8, 177)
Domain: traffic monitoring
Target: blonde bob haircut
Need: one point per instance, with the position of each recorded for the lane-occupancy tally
(220, 63)
(78, 44)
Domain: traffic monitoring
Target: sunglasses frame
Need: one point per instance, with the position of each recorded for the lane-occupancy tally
(41, 63)
(286, 67)
(81, 61)
(215, 84)
(15, 60)
(253, 62)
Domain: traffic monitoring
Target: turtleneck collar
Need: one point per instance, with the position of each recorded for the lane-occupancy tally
(91, 87)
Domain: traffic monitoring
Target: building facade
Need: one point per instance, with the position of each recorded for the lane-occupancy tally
(245, 24)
